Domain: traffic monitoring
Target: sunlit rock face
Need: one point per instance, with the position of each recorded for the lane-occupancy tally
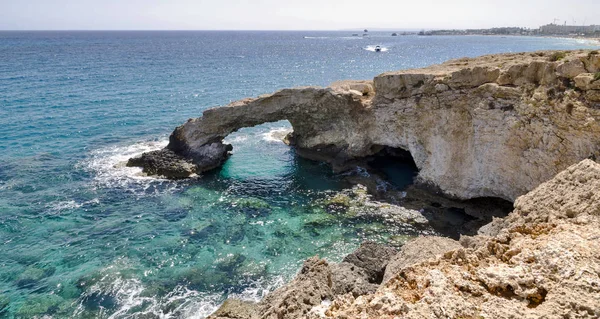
(541, 261)
(493, 126)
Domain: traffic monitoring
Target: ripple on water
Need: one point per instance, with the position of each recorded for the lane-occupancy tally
(190, 244)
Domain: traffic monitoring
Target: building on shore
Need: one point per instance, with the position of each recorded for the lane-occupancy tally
(554, 29)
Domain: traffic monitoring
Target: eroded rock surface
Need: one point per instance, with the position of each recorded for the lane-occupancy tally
(493, 126)
(541, 261)
(236, 309)
(544, 262)
(418, 250)
(180, 165)
(311, 286)
(316, 284)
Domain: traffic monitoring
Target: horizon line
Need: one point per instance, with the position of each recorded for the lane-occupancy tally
(291, 30)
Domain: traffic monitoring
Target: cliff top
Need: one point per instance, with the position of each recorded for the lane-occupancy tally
(503, 61)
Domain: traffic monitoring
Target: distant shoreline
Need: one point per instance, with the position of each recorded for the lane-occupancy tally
(562, 37)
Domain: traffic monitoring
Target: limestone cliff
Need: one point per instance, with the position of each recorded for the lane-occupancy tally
(493, 126)
(542, 261)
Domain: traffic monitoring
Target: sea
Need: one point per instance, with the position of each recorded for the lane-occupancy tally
(84, 236)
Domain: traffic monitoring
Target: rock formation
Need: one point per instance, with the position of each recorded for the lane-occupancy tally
(544, 262)
(493, 126)
(541, 261)
(360, 273)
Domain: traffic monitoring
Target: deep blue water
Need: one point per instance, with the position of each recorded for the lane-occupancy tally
(82, 236)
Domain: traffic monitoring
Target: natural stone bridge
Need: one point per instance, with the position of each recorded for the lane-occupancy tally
(495, 126)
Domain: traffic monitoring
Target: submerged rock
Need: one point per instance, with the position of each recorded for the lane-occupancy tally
(32, 275)
(4, 303)
(40, 306)
(357, 203)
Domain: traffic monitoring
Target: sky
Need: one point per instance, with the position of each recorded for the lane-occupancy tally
(290, 14)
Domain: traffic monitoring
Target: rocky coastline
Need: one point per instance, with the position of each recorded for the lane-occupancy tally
(521, 128)
(493, 126)
(541, 261)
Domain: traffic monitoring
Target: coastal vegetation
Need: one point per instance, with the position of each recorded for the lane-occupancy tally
(557, 56)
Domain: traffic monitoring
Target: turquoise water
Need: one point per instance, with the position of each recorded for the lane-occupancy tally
(82, 236)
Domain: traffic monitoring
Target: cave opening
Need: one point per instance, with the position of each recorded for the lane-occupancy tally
(449, 216)
(395, 165)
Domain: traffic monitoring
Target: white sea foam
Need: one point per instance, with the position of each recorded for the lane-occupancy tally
(129, 294)
(235, 138)
(108, 165)
(276, 134)
(70, 204)
(372, 48)
(594, 42)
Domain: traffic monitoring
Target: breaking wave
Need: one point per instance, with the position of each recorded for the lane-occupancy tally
(130, 298)
(277, 134)
(109, 167)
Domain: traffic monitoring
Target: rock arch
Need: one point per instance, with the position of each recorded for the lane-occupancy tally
(323, 120)
(493, 126)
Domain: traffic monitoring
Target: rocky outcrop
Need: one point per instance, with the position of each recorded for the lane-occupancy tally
(316, 283)
(493, 126)
(372, 258)
(541, 261)
(418, 250)
(235, 309)
(311, 286)
(182, 165)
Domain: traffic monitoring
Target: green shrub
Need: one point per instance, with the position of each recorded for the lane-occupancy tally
(592, 53)
(597, 76)
(557, 56)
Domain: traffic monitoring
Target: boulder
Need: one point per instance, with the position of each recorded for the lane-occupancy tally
(417, 251)
(236, 309)
(571, 69)
(311, 286)
(164, 163)
(587, 81)
(372, 258)
(349, 278)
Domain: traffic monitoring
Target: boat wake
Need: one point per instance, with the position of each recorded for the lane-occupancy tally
(372, 48)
